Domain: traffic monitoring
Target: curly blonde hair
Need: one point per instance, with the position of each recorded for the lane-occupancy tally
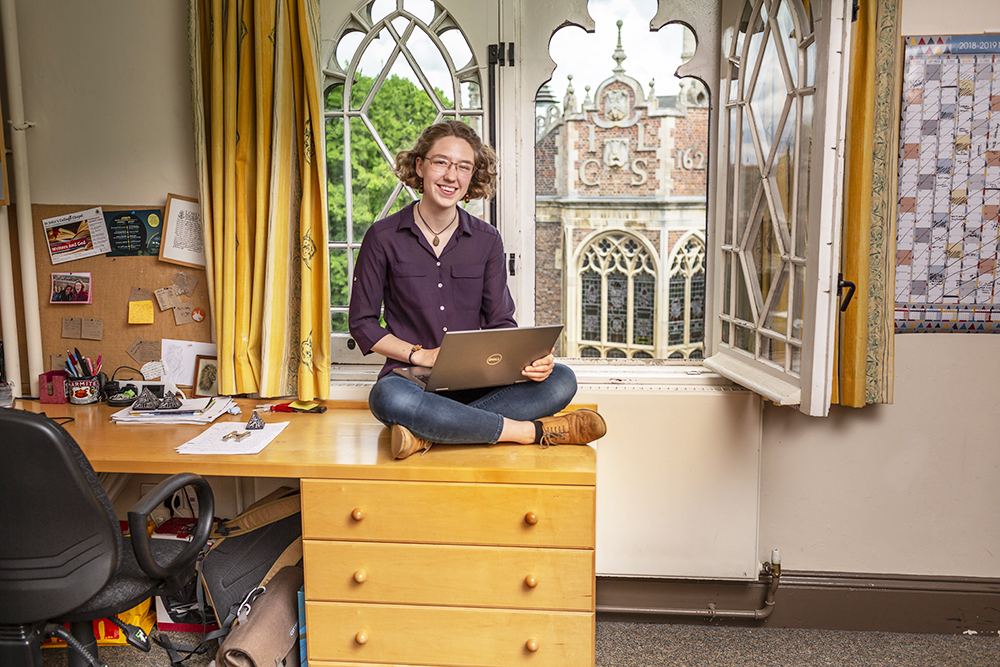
(483, 182)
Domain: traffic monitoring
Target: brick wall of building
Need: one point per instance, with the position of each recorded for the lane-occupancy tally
(690, 168)
(626, 180)
(546, 152)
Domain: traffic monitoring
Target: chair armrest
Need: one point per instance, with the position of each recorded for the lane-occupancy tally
(138, 518)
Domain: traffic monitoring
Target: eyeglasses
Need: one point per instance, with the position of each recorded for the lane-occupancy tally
(440, 165)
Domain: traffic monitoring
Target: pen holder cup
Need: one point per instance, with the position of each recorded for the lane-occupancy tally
(52, 387)
(83, 391)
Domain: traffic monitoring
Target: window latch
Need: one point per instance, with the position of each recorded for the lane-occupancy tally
(851, 287)
(510, 264)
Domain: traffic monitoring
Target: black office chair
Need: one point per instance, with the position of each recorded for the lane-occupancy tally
(62, 554)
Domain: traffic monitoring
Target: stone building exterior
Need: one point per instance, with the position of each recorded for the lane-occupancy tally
(620, 217)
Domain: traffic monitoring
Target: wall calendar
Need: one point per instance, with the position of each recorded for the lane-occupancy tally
(949, 186)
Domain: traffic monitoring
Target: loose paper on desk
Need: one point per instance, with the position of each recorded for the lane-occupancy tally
(210, 441)
(180, 416)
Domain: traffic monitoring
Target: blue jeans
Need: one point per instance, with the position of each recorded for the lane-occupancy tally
(437, 418)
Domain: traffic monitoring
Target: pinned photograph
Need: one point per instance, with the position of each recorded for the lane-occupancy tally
(71, 288)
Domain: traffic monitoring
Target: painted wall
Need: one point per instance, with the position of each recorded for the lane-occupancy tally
(908, 488)
(107, 85)
(905, 488)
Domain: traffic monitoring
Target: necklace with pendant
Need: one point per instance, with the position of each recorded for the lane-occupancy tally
(437, 241)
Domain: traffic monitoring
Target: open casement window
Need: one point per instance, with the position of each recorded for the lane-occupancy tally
(774, 234)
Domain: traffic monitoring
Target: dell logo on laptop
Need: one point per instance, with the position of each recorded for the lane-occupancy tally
(494, 359)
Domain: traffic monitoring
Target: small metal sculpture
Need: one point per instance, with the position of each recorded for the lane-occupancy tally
(255, 423)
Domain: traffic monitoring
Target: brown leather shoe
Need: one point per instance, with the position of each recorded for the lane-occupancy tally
(575, 428)
(405, 443)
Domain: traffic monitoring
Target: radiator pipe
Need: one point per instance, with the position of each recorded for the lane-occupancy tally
(710, 612)
(25, 226)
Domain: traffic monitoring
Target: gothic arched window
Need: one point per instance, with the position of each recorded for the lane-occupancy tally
(686, 299)
(618, 274)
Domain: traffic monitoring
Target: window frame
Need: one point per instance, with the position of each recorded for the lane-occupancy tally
(811, 390)
(527, 23)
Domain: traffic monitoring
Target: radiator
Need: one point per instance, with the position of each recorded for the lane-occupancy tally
(678, 476)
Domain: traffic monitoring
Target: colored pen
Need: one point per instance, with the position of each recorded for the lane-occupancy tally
(71, 362)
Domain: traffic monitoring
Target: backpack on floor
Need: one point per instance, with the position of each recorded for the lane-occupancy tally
(248, 550)
(245, 553)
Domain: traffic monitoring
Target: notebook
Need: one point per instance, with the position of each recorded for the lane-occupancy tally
(484, 358)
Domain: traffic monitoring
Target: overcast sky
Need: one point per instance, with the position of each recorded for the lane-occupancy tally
(588, 56)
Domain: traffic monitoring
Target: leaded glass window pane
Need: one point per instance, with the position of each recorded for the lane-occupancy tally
(591, 302)
(772, 107)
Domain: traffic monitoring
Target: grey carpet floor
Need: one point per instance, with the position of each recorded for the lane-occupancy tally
(664, 645)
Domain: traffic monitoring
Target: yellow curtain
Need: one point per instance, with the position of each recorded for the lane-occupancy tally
(865, 337)
(258, 122)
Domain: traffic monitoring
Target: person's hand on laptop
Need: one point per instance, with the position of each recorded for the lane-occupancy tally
(426, 358)
(540, 368)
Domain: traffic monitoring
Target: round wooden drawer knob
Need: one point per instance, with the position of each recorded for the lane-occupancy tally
(531, 644)
(360, 576)
(361, 637)
(358, 514)
(531, 581)
(531, 518)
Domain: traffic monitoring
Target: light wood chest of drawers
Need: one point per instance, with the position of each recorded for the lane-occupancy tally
(451, 567)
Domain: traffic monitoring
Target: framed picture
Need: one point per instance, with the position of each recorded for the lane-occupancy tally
(206, 376)
(71, 288)
(181, 241)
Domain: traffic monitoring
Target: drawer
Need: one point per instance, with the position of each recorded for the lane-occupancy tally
(449, 513)
(462, 576)
(398, 634)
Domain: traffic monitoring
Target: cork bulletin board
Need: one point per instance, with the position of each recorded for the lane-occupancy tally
(111, 284)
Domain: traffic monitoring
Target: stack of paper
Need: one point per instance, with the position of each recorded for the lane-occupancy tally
(217, 439)
(191, 411)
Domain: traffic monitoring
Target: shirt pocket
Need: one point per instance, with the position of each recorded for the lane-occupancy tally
(409, 281)
(468, 281)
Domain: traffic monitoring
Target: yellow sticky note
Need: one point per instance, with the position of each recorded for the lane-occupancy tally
(140, 312)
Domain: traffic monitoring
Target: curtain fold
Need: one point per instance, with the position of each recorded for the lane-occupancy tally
(256, 93)
(865, 351)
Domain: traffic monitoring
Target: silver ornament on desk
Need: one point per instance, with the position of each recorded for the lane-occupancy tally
(169, 402)
(255, 423)
(146, 401)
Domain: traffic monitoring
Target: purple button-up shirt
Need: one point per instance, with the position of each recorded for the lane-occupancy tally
(424, 296)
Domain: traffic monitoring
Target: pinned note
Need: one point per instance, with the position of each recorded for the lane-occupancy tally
(92, 328)
(144, 351)
(140, 312)
(184, 283)
(182, 314)
(72, 327)
(167, 298)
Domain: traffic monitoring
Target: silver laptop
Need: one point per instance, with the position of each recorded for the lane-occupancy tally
(484, 358)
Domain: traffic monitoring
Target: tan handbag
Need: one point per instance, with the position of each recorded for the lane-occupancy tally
(267, 631)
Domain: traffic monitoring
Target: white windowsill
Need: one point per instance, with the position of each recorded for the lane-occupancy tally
(352, 382)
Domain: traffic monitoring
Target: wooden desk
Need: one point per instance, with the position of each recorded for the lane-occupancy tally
(469, 555)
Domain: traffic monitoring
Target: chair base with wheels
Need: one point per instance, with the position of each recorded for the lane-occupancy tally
(64, 559)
